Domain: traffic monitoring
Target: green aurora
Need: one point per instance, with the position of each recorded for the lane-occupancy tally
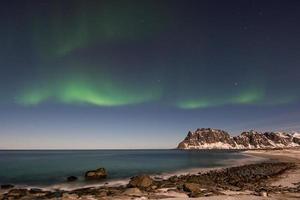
(90, 22)
(125, 74)
(86, 91)
(109, 93)
(247, 97)
(166, 72)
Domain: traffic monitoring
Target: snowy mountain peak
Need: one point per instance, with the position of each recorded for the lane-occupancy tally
(208, 138)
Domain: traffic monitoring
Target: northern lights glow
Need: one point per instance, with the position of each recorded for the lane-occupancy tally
(109, 93)
(85, 91)
(121, 42)
(246, 97)
(87, 23)
(116, 70)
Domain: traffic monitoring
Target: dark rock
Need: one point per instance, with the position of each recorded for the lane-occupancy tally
(142, 182)
(296, 140)
(96, 174)
(56, 194)
(114, 191)
(102, 193)
(192, 187)
(72, 178)
(35, 190)
(17, 193)
(6, 186)
(197, 190)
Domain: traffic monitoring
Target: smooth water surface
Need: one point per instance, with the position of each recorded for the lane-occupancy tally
(45, 167)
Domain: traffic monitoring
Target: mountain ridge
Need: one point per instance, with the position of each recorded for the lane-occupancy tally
(208, 138)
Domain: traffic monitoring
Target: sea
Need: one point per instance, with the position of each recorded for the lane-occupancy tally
(45, 168)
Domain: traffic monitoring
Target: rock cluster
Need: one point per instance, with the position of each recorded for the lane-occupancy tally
(252, 177)
(207, 138)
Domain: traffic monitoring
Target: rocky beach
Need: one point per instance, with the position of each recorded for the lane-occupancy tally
(276, 178)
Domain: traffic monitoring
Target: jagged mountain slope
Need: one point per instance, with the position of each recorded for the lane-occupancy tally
(207, 138)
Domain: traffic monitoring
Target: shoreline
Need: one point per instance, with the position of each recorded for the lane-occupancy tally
(68, 186)
(169, 191)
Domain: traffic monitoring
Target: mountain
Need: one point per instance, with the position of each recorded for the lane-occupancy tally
(208, 138)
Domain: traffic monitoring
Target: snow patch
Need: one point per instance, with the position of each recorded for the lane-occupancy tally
(216, 145)
(283, 135)
(296, 135)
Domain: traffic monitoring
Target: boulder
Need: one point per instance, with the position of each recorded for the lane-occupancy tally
(102, 193)
(142, 182)
(133, 192)
(96, 174)
(296, 140)
(263, 194)
(192, 187)
(35, 190)
(197, 190)
(72, 178)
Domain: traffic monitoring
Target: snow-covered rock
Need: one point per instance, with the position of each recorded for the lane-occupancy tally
(207, 138)
(296, 138)
(296, 135)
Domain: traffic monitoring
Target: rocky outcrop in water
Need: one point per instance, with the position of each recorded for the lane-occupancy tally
(208, 138)
(72, 178)
(96, 174)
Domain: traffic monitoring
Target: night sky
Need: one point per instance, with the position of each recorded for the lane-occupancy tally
(140, 74)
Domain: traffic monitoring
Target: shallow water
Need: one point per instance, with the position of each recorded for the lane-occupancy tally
(47, 167)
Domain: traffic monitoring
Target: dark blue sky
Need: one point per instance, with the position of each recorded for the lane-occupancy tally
(140, 74)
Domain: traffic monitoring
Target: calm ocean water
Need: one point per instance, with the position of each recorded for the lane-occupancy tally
(48, 167)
